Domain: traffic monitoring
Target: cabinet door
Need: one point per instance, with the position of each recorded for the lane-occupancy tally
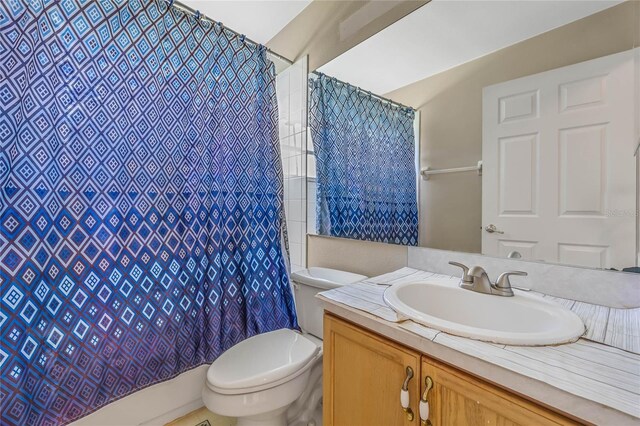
(460, 399)
(362, 377)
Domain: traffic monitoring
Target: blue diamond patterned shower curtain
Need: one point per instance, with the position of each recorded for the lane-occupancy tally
(141, 201)
(365, 164)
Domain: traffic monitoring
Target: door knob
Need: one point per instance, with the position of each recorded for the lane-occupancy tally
(492, 229)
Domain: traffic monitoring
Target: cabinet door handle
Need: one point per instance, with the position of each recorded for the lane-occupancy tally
(404, 394)
(424, 402)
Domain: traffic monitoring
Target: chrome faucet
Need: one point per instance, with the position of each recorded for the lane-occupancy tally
(476, 279)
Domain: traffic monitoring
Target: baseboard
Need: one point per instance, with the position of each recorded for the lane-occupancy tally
(174, 414)
(155, 405)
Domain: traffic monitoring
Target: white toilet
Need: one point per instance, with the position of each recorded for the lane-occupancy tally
(275, 378)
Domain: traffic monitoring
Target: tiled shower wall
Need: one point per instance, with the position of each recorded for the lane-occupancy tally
(291, 87)
(311, 187)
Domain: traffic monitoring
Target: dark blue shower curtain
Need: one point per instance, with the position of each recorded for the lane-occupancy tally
(366, 164)
(140, 203)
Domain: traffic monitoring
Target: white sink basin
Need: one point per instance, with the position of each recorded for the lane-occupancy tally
(519, 320)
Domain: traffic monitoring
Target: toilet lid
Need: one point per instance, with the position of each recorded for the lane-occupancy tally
(261, 359)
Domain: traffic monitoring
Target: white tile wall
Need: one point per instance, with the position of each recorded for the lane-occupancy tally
(311, 186)
(291, 91)
(311, 206)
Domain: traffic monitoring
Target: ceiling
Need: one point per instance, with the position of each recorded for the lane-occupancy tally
(259, 20)
(446, 33)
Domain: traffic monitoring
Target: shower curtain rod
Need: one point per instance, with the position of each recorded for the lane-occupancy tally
(196, 14)
(381, 98)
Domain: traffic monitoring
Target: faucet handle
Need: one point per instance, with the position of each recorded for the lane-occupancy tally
(466, 278)
(503, 280)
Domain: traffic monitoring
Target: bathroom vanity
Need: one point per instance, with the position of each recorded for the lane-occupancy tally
(368, 349)
(365, 371)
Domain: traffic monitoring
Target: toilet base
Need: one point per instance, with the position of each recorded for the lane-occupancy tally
(272, 418)
(314, 420)
(307, 409)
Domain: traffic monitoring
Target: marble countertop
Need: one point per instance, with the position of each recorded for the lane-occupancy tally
(587, 380)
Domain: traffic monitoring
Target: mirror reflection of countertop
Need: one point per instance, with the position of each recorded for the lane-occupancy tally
(587, 380)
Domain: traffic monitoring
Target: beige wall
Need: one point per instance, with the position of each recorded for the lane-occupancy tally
(451, 115)
(361, 257)
(325, 29)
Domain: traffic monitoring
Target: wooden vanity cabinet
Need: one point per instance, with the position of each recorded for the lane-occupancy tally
(362, 377)
(364, 372)
(460, 399)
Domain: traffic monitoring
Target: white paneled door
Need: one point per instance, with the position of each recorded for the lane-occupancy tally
(559, 181)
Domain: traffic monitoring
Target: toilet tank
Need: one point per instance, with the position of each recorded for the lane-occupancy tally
(309, 282)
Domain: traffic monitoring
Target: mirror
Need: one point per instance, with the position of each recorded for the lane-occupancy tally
(529, 125)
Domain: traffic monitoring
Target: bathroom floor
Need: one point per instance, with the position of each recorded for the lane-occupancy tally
(202, 417)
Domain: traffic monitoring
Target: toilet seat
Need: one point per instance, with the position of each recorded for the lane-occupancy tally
(262, 362)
